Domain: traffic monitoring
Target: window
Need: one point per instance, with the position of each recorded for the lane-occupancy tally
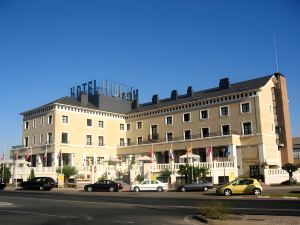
(65, 119)
(169, 136)
(122, 143)
(50, 119)
(49, 138)
(88, 139)
(225, 130)
(205, 132)
(140, 140)
(247, 129)
(169, 120)
(187, 134)
(89, 122)
(154, 134)
(128, 141)
(26, 125)
(34, 123)
(204, 114)
(33, 140)
(100, 141)
(41, 138)
(245, 107)
(26, 141)
(101, 124)
(122, 126)
(128, 126)
(187, 117)
(64, 138)
(224, 111)
(139, 125)
(42, 121)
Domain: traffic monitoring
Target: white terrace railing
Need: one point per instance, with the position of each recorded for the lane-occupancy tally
(276, 172)
(175, 166)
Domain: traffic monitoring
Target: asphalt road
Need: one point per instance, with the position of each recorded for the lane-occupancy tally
(71, 208)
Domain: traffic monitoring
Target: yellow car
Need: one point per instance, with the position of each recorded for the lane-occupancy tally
(240, 186)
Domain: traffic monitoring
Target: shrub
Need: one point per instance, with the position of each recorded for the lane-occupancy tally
(214, 209)
(139, 178)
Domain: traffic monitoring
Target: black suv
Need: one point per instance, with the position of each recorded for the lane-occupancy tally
(39, 183)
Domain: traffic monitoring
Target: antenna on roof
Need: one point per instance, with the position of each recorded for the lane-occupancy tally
(275, 51)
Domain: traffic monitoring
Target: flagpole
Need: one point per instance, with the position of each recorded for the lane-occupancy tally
(61, 162)
(31, 155)
(3, 167)
(46, 155)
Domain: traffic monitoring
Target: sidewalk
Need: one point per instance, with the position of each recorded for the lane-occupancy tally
(251, 220)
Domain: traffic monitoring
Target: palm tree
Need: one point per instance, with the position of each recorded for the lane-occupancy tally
(290, 168)
(184, 171)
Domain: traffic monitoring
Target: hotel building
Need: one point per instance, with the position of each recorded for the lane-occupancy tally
(250, 119)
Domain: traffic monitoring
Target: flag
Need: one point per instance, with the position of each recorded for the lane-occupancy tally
(17, 155)
(171, 155)
(209, 150)
(29, 153)
(59, 154)
(45, 155)
(151, 152)
(227, 151)
(2, 157)
(189, 149)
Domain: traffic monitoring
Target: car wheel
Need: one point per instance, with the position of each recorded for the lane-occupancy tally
(182, 189)
(89, 189)
(205, 189)
(111, 189)
(227, 192)
(160, 189)
(256, 191)
(136, 189)
(41, 188)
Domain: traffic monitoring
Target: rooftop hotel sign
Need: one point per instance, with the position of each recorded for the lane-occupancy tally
(112, 89)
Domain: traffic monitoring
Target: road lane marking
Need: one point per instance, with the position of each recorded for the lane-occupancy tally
(5, 204)
(45, 214)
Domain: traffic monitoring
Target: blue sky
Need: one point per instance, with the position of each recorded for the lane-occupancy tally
(48, 46)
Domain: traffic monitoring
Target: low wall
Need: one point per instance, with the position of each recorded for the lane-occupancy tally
(276, 176)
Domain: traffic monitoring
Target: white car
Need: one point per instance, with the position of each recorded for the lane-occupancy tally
(150, 185)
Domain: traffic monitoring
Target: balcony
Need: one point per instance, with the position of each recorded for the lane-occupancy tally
(156, 138)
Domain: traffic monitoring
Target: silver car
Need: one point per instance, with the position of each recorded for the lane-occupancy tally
(201, 185)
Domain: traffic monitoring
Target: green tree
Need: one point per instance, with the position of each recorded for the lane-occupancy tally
(32, 175)
(184, 171)
(7, 174)
(204, 171)
(139, 178)
(165, 174)
(67, 171)
(290, 168)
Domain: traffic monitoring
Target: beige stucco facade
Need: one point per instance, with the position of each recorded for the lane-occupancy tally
(251, 135)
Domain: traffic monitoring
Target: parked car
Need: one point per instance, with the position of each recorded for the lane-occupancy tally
(201, 185)
(39, 183)
(104, 185)
(240, 186)
(2, 184)
(150, 185)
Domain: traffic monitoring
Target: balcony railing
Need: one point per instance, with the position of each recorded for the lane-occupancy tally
(181, 138)
(296, 155)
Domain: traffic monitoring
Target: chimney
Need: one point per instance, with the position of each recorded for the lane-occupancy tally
(190, 91)
(174, 95)
(155, 99)
(224, 83)
(84, 98)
